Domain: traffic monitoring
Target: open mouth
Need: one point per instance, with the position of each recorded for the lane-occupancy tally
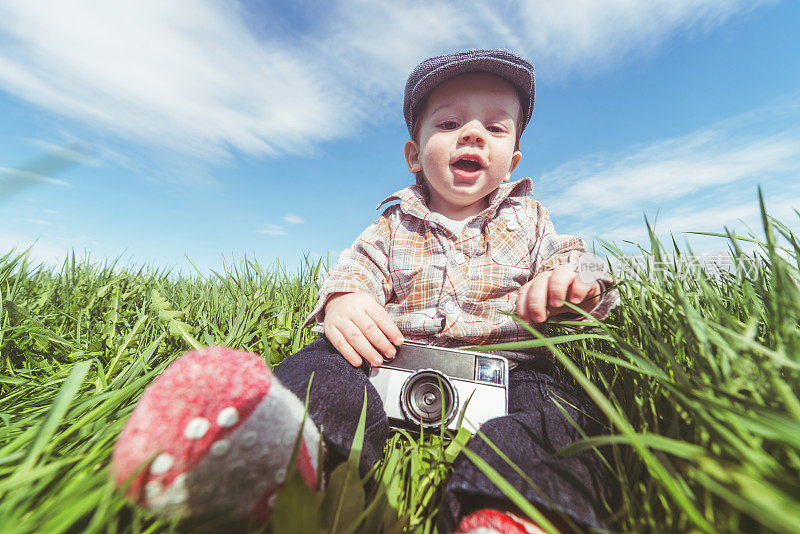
(467, 165)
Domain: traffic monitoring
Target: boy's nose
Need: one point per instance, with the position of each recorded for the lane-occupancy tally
(472, 134)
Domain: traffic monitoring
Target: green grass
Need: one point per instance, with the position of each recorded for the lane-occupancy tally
(697, 375)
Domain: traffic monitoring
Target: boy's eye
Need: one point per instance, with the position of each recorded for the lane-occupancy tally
(495, 129)
(450, 125)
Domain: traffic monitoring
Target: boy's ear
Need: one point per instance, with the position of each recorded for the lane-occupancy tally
(514, 162)
(412, 156)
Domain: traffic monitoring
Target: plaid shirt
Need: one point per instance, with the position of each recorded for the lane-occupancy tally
(445, 289)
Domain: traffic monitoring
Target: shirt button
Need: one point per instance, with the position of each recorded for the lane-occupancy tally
(512, 225)
(460, 257)
(450, 307)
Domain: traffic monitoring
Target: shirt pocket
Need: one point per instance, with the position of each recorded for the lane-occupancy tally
(510, 265)
(508, 245)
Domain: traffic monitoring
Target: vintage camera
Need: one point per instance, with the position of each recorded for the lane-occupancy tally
(427, 386)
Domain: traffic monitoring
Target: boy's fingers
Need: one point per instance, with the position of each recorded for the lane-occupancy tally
(385, 322)
(376, 337)
(522, 302)
(537, 297)
(560, 280)
(340, 343)
(356, 331)
(579, 290)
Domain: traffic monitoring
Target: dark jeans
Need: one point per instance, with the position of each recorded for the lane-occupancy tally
(530, 435)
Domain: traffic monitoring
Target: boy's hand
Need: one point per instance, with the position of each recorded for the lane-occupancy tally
(539, 299)
(356, 324)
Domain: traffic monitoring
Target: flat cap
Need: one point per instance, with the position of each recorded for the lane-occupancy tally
(433, 71)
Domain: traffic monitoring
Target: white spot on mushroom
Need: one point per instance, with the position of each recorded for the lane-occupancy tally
(280, 475)
(172, 500)
(249, 439)
(161, 464)
(271, 500)
(196, 428)
(153, 489)
(221, 447)
(228, 417)
(177, 491)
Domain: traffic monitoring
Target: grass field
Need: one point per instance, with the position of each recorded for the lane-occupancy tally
(698, 375)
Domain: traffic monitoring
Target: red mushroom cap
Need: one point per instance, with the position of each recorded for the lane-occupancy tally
(200, 398)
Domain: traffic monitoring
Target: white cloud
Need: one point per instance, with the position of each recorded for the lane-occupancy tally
(186, 73)
(291, 218)
(195, 76)
(370, 47)
(702, 181)
(37, 221)
(272, 229)
(72, 149)
(590, 35)
(670, 170)
(18, 176)
(13, 181)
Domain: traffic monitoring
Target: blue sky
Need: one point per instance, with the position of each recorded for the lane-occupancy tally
(203, 129)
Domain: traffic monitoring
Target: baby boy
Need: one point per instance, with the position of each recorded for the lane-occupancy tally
(463, 245)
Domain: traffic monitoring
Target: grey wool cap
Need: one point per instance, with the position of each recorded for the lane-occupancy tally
(427, 75)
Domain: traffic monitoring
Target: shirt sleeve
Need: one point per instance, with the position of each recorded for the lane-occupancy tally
(550, 250)
(364, 267)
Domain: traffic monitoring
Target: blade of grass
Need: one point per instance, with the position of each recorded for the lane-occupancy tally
(64, 398)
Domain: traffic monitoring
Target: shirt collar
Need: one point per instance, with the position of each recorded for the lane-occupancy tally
(412, 198)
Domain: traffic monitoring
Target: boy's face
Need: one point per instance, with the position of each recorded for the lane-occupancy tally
(466, 142)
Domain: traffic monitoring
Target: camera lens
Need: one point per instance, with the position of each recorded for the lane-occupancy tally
(426, 395)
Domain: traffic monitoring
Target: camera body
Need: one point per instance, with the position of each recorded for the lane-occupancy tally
(425, 385)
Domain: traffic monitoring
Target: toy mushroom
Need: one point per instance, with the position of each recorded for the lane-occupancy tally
(202, 438)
